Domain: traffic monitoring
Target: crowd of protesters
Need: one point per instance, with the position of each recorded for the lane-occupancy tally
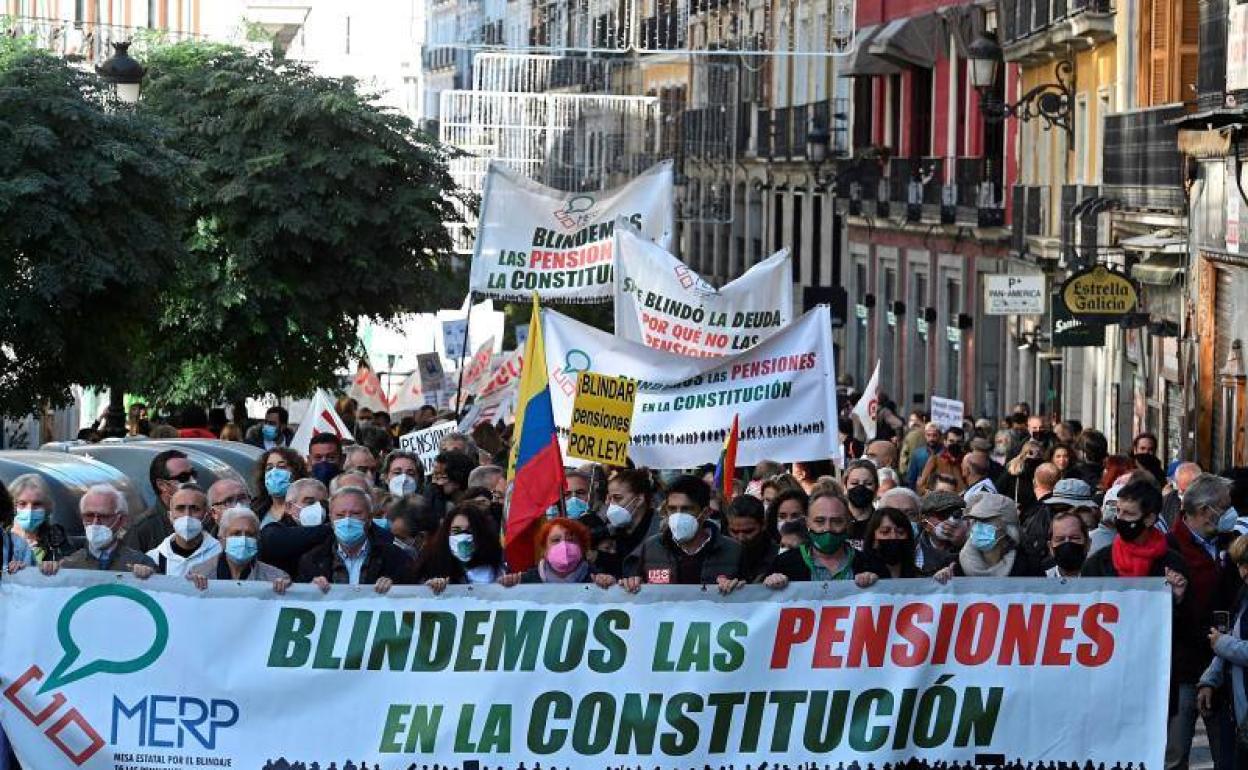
(1020, 498)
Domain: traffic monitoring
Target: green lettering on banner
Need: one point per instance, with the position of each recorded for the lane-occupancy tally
(547, 707)
(638, 726)
(291, 638)
(595, 716)
(685, 738)
(825, 727)
(394, 643)
(662, 662)
(732, 654)
(434, 646)
(786, 702)
(755, 704)
(978, 717)
(359, 640)
(863, 737)
(568, 632)
(395, 725)
(471, 637)
(424, 730)
(515, 643)
(326, 640)
(615, 652)
(724, 704)
(496, 735)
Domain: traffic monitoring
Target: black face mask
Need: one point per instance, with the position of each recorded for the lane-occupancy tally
(955, 450)
(1041, 436)
(934, 444)
(860, 496)
(1130, 530)
(893, 552)
(1069, 556)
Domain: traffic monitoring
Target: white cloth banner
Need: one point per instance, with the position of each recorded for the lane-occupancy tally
(532, 238)
(366, 390)
(783, 390)
(103, 672)
(321, 417)
(664, 305)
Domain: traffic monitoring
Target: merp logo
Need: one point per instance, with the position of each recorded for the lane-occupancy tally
(576, 212)
(164, 721)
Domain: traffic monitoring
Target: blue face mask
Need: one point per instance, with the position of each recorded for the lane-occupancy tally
(325, 471)
(576, 507)
(241, 549)
(269, 431)
(349, 531)
(1226, 522)
(30, 519)
(983, 536)
(277, 481)
(382, 523)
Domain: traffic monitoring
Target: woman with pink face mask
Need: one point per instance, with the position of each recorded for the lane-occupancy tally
(562, 557)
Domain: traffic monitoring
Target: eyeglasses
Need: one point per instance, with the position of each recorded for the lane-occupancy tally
(184, 477)
(230, 502)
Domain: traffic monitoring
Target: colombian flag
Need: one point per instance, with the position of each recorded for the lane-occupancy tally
(536, 465)
(726, 469)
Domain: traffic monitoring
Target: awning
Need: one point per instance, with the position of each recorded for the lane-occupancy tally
(1157, 242)
(862, 63)
(914, 41)
(1163, 269)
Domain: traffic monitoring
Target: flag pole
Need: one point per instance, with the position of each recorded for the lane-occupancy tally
(463, 348)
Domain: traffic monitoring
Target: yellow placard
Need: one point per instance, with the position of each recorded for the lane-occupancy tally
(602, 418)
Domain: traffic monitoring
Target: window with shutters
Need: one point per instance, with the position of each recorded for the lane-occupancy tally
(1170, 51)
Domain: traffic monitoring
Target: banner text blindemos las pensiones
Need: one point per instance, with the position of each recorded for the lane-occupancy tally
(102, 672)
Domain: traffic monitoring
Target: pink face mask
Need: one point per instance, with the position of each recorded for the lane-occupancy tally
(564, 557)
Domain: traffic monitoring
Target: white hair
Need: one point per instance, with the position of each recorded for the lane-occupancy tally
(237, 512)
(888, 474)
(296, 487)
(343, 480)
(899, 491)
(356, 491)
(105, 490)
(33, 481)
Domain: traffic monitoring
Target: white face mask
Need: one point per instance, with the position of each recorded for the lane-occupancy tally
(684, 526)
(618, 516)
(462, 546)
(402, 485)
(188, 527)
(311, 515)
(99, 537)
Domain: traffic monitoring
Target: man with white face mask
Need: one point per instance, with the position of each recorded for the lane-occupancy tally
(104, 515)
(189, 547)
(691, 550)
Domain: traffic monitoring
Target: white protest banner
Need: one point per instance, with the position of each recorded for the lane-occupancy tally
(425, 442)
(673, 677)
(477, 367)
(506, 375)
(409, 396)
(321, 417)
(666, 306)
(498, 405)
(869, 404)
(1014, 295)
(946, 412)
(532, 238)
(783, 389)
(454, 333)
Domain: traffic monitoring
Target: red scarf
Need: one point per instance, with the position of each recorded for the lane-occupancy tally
(1135, 559)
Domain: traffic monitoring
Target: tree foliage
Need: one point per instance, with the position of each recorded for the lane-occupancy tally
(312, 207)
(92, 224)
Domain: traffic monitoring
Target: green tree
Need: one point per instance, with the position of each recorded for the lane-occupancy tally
(313, 207)
(91, 228)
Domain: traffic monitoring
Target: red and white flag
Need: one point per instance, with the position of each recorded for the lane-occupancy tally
(320, 418)
(366, 390)
(868, 405)
(411, 394)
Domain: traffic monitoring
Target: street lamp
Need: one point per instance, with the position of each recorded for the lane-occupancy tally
(817, 142)
(124, 72)
(1051, 102)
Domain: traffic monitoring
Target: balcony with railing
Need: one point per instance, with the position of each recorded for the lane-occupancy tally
(437, 58)
(789, 128)
(89, 42)
(914, 190)
(1033, 31)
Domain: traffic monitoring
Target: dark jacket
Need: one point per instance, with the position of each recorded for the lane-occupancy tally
(1101, 564)
(120, 560)
(384, 559)
(1090, 473)
(792, 564)
(283, 545)
(533, 576)
(1037, 526)
(1213, 585)
(613, 548)
(1024, 566)
(659, 560)
(150, 530)
(255, 436)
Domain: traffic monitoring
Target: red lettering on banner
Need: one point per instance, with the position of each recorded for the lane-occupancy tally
(870, 635)
(920, 642)
(1020, 639)
(1059, 633)
(829, 634)
(944, 633)
(1100, 646)
(977, 634)
(796, 625)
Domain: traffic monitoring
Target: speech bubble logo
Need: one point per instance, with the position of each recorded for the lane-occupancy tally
(576, 361)
(65, 671)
